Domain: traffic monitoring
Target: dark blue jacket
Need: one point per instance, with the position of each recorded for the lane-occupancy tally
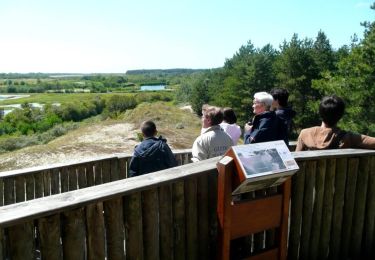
(266, 127)
(151, 155)
(286, 114)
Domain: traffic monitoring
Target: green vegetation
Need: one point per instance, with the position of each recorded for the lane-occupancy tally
(308, 68)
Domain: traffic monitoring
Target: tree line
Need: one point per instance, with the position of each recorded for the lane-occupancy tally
(308, 68)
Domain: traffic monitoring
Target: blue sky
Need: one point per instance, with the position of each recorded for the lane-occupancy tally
(88, 36)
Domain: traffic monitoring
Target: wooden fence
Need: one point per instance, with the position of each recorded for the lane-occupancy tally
(171, 214)
(37, 182)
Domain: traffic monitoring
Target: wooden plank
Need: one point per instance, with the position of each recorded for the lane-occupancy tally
(30, 187)
(73, 179)
(179, 220)
(81, 174)
(166, 222)
(255, 216)
(150, 216)
(95, 231)
(113, 217)
(258, 238)
(122, 168)
(9, 191)
(64, 179)
(2, 250)
(191, 218)
(39, 186)
(202, 197)
(74, 234)
(338, 207)
(1, 193)
(318, 208)
(329, 189)
(360, 207)
(20, 188)
(351, 181)
(21, 241)
(307, 209)
(283, 231)
(55, 181)
(115, 171)
(127, 166)
(106, 171)
(212, 215)
(270, 254)
(46, 183)
(98, 173)
(49, 232)
(369, 229)
(133, 226)
(90, 174)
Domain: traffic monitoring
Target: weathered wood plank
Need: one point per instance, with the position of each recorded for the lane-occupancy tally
(64, 179)
(133, 226)
(1, 192)
(113, 216)
(90, 174)
(55, 181)
(20, 188)
(369, 240)
(73, 234)
(122, 168)
(127, 166)
(9, 191)
(212, 213)
(106, 171)
(338, 207)
(191, 218)
(21, 241)
(318, 208)
(150, 216)
(202, 197)
(329, 189)
(307, 209)
(179, 220)
(115, 171)
(49, 232)
(98, 173)
(2, 251)
(30, 187)
(81, 174)
(351, 181)
(73, 179)
(95, 231)
(39, 186)
(166, 222)
(46, 183)
(360, 207)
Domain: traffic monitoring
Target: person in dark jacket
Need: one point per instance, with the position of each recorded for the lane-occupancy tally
(152, 154)
(284, 112)
(265, 125)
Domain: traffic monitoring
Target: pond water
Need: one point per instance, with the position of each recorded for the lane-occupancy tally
(10, 108)
(152, 88)
(4, 97)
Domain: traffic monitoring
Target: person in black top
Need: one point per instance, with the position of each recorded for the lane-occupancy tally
(152, 154)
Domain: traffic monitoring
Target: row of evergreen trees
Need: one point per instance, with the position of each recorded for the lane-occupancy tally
(307, 68)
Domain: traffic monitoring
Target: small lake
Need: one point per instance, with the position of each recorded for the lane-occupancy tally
(152, 88)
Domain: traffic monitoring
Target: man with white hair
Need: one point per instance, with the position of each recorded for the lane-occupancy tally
(265, 125)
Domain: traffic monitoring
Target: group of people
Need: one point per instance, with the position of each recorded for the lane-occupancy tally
(272, 121)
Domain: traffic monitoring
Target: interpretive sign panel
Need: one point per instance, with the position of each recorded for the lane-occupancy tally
(262, 165)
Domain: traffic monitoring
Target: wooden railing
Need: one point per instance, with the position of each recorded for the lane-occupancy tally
(171, 214)
(37, 182)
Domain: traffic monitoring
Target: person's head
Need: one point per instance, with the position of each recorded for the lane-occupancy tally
(280, 97)
(262, 102)
(211, 116)
(229, 116)
(331, 109)
(148, 129)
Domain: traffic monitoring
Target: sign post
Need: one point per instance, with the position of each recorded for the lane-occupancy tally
(244, 169)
